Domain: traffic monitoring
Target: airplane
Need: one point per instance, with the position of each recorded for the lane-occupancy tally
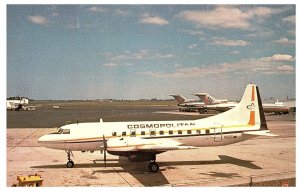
(16, 104)
(222, 106)
(187, 104)
(277, 108)
(209, 100)
(143, 140)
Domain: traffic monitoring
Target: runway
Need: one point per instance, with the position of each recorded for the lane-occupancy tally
(262, 158)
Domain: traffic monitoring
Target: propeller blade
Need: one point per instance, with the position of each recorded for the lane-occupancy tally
(104, 142)
(104, 158)
(105, 148)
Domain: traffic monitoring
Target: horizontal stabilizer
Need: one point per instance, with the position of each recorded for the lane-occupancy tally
(260, 133)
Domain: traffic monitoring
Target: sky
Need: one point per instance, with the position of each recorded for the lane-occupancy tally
(64, 52)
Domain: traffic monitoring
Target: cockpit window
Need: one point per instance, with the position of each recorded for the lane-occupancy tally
(60, 130)
(66, 131)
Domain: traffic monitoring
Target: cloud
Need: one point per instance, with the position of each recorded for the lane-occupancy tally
(235, 52)
(286, 68)
(164, 55)
(284, 41)
(122, 12)
(260, 11)
(143, 54)
(109, 64)
(226, 42)
(194, 32)
(54, 14)
(97, 9)
(38, 19)
(278, 57)
(177, 65)
(154, 20)
(290, 19)
(227, 16)
(192, 46)
(277, 64)
(292, 32)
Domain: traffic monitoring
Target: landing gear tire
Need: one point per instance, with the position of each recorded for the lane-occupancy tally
(153, 167)
(70, 164)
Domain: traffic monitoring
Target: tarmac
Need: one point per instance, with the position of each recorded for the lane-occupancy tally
(257, 160)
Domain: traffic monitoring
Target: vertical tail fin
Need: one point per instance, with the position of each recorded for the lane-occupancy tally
(206, 98)
(247, 114)
(250, 108)
(179, 98)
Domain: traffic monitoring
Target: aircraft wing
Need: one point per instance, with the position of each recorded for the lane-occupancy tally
(163, 147)
(122, 144)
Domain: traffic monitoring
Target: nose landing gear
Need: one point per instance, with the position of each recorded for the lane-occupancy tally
(70, 163)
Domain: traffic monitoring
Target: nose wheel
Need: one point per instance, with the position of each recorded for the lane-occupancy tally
(70, 163)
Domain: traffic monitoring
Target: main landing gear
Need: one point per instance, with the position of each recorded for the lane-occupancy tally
(70, 163)
(153, 166)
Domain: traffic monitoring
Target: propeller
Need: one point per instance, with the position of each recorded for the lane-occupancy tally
(105, 149)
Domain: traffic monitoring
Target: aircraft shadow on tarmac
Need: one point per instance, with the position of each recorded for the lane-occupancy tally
(140, 172)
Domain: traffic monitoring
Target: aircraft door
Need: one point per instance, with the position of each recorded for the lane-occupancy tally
(218, 133)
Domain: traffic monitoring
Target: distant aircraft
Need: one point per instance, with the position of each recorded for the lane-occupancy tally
(143, 140)
(222, 106)
(209, 100)
(16, 104)
(187, 104)
(277, 108)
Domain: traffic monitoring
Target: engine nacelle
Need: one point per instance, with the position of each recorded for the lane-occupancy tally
(141, 157)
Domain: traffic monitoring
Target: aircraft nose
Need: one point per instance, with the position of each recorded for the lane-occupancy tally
(42, 139)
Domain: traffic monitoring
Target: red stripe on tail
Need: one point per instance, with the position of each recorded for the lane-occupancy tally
(253, 94)
(252, 113)
(252, 118)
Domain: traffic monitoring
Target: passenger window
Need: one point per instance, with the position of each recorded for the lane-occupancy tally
(179, 132)
(198, 132)
(170, 132)
(123, 133)
(189, 131)
(114, 134)
(132, 134)
(206, 131)
(142, 132)
(161, 132)
(152, 132)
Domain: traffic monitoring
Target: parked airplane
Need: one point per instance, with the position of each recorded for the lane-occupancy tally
(277, 108)
(209, 100)
(143, 140)
(187, 104)
(17, 103)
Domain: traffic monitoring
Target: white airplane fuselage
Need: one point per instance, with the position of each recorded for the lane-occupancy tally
(88, 136)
